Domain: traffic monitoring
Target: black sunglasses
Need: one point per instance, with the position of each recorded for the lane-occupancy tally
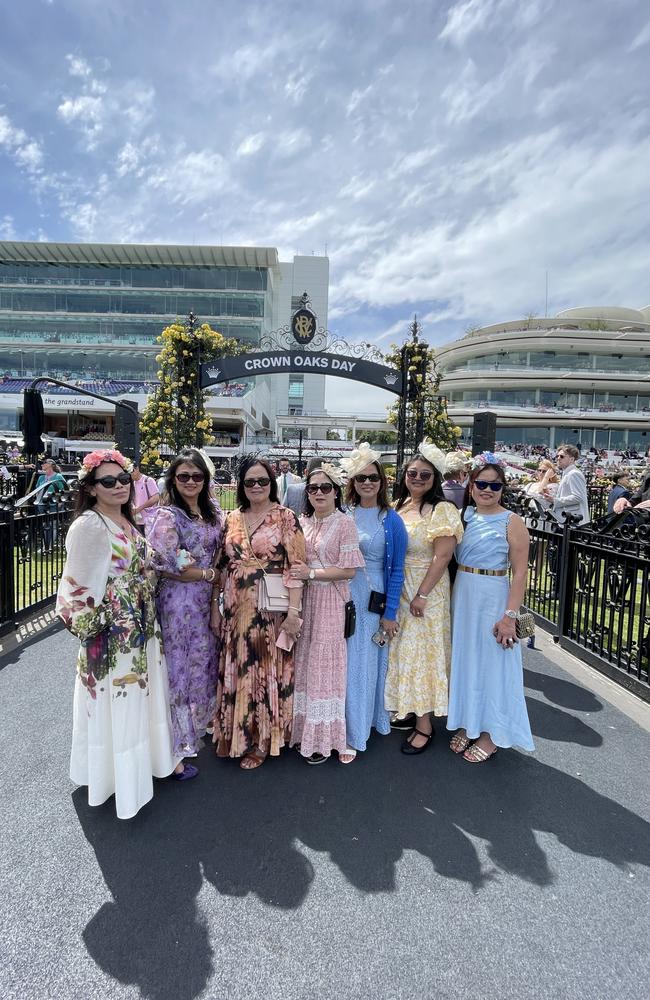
(260, 481)
(319, 488)
(109, 482)
(184, 477)
(485, 484)
(414, 474)
(374, 477)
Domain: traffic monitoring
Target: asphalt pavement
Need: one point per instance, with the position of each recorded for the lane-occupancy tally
(393, 877)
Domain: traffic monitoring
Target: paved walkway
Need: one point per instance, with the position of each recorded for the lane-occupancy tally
(391, 878)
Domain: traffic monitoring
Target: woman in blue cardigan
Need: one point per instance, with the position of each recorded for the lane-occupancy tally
(375, 590)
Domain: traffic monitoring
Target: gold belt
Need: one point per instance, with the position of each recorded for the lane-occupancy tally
(483, 572)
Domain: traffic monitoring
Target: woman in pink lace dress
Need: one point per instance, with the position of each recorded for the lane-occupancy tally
(333, 555)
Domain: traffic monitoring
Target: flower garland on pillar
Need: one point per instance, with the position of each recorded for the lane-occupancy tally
(175, 416)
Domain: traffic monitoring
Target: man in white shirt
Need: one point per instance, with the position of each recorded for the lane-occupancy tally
(285, 477)
(571, 496)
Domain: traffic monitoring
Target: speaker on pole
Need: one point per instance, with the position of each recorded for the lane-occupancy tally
(484, 432)
(127, 429)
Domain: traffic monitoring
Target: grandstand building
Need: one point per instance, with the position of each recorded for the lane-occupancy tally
(582, 376)
(90, 314)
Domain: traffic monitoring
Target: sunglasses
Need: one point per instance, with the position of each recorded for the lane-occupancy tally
(374, 477)
(413, 474)
(485, 484)
(110, 482)
(260, 481)
(319, 488)
(185, 477)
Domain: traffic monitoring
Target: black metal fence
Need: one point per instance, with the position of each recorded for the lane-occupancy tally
(590, 587)
(32, 550)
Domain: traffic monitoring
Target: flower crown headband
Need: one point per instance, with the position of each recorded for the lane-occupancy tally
(487, 458)
(97, 458)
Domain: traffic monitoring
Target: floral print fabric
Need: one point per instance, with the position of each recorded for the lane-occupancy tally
(419, 656)
(191, 648)
(255, 685)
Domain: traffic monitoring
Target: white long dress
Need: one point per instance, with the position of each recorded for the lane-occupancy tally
(121, 734)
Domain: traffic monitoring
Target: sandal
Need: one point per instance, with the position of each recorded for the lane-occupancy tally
(316, 758)
(251, 761)
(477, 755)
(459, 744)
(347, 756)
(407, 745)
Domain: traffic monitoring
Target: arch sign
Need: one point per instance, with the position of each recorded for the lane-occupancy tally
(244, 366)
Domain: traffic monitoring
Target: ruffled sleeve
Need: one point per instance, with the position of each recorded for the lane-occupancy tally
(293, 541)
(163, 538)
(350, 556)
(445, 521)
(80, 601)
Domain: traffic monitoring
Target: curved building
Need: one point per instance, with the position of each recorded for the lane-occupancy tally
(581, 376)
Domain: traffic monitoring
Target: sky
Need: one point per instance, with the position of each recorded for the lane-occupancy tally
(446, 156)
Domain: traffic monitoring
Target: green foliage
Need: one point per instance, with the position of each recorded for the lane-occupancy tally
(418, 361)
(175, 416)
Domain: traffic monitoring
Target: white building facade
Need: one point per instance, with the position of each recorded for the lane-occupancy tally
(582, 376)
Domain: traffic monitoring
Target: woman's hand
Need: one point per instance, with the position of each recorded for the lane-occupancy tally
(215, 618)
(299, 571)
(391, 628)
(505, 632)
(292, 623)
(417, 606)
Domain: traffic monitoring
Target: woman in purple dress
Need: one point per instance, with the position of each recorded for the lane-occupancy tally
(185, 534)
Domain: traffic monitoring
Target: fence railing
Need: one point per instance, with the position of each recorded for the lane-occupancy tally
(591, 587)
(32, 547)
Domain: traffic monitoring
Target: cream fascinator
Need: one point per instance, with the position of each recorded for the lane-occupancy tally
(433, 455)
(357, 460)
(208, 461)
(332, 472)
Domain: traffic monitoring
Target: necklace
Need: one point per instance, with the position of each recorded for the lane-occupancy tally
(253, 524)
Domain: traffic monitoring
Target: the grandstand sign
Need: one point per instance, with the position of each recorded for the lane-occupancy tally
(245, 366)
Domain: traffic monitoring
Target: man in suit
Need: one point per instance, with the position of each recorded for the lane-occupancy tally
(285, 477)
(640, 499)
(571, 496)
(620, 488)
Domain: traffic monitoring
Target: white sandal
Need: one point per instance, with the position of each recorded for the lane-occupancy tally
(350, 753)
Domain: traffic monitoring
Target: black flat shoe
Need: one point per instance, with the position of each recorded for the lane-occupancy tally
(403, 724)
(317, 758)
(407, 746)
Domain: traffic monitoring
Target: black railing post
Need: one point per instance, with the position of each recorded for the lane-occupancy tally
(7, 576)
(565, 579)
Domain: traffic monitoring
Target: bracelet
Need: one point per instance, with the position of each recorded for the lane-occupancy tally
(423, 596)
(203, 576)
(291, 608)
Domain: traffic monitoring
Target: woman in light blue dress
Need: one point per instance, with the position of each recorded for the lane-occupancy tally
(486, 689)
(383, 541)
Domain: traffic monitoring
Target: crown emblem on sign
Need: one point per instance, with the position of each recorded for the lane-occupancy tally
(214, 372)
(391, 378)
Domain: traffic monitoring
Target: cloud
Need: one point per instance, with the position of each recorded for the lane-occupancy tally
(26, 152)
(7, 229)
(251, 144)
(641, 39)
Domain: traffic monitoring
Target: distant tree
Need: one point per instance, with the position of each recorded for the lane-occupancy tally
(175, 416)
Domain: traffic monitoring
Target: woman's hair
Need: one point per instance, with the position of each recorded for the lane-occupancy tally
(352, 497)
(247, 464)
(545, 465)
(433, 495)
(468, 500)
(172, 494)
(86, 501)
(307, 508)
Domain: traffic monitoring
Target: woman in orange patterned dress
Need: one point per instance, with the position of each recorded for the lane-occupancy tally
(255, 685)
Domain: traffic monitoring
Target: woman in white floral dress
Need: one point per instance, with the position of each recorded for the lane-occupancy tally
(121, 728)
(420, 654)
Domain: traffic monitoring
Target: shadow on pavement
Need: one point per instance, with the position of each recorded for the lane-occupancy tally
(246, 835)
(561, 692)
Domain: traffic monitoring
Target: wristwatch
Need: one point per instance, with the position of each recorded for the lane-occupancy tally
(312, 574)
(510, 614)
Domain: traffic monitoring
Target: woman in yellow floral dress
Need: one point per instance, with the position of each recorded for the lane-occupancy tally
(420, 654)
